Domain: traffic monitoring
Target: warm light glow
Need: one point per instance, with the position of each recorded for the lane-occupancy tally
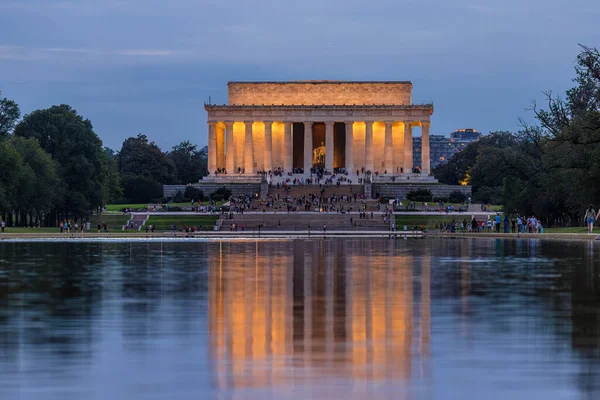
(465, 181)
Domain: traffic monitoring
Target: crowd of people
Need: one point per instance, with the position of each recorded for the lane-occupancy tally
(497, 223)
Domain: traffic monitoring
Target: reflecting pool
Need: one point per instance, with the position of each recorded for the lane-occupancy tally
(350, 319)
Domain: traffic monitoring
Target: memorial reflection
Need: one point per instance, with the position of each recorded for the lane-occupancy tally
(322, 309)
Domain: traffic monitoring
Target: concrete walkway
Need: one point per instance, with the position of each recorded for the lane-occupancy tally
(396, 213)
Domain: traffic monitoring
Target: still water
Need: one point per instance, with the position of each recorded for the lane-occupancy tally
(416, 319)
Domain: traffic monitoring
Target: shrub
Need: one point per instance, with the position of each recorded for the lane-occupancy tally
(220, 194)
(140, 189)
(487, 194)
(457, 197)
(419, 195)
(193, 193)
(178, 197)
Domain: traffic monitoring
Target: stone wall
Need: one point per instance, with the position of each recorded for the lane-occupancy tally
(210, 187)
(319, 92)
(400, 190)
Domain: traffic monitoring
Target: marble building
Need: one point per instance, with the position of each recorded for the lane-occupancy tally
(335, 125)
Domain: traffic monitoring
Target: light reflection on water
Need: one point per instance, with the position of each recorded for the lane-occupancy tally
(328, 319)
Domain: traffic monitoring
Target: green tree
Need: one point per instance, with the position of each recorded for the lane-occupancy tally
(111, 180)
(555, 165)
(141, 189)
(140, 157)
(38, 186)
(10, 173)
(9, 115)
(77, 151)
(191, 164)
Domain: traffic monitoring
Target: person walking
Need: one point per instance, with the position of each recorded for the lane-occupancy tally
(2, 225)
(590, 218)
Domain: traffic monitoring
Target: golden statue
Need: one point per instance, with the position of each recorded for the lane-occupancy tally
(319, 155)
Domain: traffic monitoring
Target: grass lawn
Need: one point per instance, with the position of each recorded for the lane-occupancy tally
(136, 206)
(163, 222)
(115, 222)
(31, 230)
(572, 229)
(428, 221)
(119, 207)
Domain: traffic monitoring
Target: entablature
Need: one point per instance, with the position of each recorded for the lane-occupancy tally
(318, 113)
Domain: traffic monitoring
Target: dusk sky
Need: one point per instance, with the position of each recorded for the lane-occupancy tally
(148, 66)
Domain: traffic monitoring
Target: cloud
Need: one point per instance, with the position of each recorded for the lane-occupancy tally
(21, 53)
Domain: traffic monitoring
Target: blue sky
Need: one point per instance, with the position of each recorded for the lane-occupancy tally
(148, 66)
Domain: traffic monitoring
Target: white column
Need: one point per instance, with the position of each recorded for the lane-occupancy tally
(425, 159)
(349, 147)
(369, 146)
(212, 148)
(268, 146)
(249, 152)
(408, 147)
(229, 148)
(388, 148)
(308, 147)
(329, 146)
(287, 148)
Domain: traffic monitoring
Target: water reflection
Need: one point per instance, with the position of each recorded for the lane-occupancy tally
(319, 309)
(329, 319)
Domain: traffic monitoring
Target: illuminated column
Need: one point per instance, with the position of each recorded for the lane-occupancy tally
(229, 148)
(349, 144)
(388, 148)
(212, 148)
(425, 159)
(248, 153)
(369, 146)
(329, 146)
(308, 147)
(287, 147)
(268, 146)
(408, 147)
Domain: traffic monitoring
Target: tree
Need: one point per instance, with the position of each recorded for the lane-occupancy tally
(139, 157)
(141, 189)
(190, 162)
(9, 115)
(111, 180)
(39, 184)
(555, 164)
(77, 150)
(28, 181)
(480, 164)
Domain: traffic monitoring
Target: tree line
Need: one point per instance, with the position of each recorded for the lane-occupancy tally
(549, 169)
(54, 167)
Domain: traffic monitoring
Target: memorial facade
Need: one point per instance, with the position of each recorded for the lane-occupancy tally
(296, 126)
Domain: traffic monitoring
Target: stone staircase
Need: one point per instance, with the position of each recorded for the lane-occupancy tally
(301, 221)
(136, 222)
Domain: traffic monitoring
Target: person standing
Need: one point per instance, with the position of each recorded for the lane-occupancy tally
(498, 221)
(2, 225)
(506, 222)
(590, 218)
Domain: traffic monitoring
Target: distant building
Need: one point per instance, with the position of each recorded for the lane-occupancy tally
(443, 147)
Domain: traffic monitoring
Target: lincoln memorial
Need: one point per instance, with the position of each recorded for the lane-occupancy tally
(337, 126)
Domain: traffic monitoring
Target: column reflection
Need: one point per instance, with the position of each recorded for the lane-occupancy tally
(315, 310)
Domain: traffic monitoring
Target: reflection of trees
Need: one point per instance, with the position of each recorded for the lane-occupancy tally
(552, 286)
(333, 308)
(49, 295)
(153, 275)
